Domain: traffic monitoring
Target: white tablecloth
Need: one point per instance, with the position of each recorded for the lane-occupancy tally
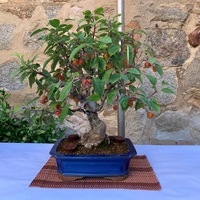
(177, 168)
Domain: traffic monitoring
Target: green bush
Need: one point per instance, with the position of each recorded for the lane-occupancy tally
(31, 125)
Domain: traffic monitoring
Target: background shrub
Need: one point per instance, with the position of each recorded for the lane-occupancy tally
(29, 124)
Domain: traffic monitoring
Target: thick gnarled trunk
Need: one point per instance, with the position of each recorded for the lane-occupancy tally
(97, 134)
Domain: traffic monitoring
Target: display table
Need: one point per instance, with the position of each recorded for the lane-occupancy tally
(177, 169)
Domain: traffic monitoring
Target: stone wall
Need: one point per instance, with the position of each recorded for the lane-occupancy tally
(167, 24)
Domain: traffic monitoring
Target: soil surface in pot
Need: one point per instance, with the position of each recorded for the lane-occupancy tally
(71, 145)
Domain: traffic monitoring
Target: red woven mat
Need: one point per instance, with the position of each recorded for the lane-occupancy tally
(141, 176)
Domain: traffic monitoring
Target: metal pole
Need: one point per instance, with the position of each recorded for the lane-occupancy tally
(120, 113)
(120, 10)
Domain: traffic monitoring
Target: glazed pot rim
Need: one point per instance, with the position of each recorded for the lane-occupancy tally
(132, 152)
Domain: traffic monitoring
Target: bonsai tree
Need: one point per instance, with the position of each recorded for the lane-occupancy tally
(90, 66)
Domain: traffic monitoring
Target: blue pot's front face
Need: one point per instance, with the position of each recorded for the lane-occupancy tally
(93, 165)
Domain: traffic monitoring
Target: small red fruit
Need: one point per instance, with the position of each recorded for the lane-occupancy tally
(87, 82)
(154, 69)
(106, 56)
(58, 107)
(85, 55)
(115, 107)
(109, 66)
(130, 102)
(81, 61)
(60, 77)
(57, 112)
(147, 64)
(150, 115)
(75, 62)
(43, 99)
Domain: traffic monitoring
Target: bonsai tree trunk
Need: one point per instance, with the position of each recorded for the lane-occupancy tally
(97, 134)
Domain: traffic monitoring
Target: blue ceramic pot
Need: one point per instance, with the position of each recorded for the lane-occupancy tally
(93, 165)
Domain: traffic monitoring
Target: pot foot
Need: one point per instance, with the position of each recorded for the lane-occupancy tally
(74, 178)
(69, 178)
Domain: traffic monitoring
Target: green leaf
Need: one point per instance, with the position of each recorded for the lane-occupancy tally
(124, 77)
(167, 90)
(165, 83)
(47, 61)
(54, 22)
(31, 79)
(155, 106)
(139, 104)
(130, 54)
(152, 79)
(105, 40)
(114, 78)
(99, 11)
(23, 76)
(139, 78)
(107, 75)
(98, 63)
(64, 112)
(159, 69)
(101, 64)
(46, 72)
(39, 83)
(113, 49)
(38, 31)
(145, 100)
(65, 91)
(54, 64)
(152, 60)
(94, 97)
(132, 88)
(131, 77)
(124, 102)
(51, 90)
(77, 49)
(98, 86)
(87, 13)
(111, 96)
(134, 71)
(94, 62)
(65, 27)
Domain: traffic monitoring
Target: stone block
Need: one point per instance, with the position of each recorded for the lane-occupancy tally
(170, 77)
(20, 10)
(6, 31)
(192, 96)
(170, 46)
(32, 42)
(171, 121)
(177, 127)
(191, 78)
(52, 11)
(7, 81)
(169, 13)
(135, 124)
